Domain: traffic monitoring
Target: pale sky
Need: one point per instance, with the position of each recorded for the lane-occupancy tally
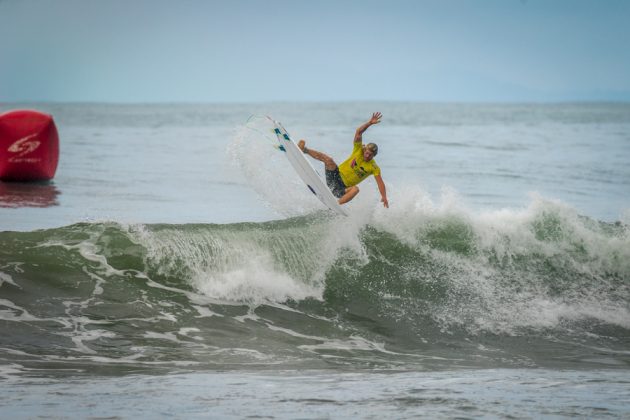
(299, 50)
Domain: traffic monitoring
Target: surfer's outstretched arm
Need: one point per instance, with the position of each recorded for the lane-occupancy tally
(382, 190)
(376, 118)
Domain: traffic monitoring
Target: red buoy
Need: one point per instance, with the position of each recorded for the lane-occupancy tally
(29, 146)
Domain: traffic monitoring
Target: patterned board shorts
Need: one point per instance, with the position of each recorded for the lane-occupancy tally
(334, 182)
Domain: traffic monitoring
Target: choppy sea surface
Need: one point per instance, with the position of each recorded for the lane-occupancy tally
(176, 267)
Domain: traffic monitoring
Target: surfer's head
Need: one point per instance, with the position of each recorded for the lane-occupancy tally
(369, 151)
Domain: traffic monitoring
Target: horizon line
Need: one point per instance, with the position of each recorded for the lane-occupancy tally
(335, 101)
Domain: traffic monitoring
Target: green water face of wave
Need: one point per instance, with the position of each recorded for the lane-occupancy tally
(314, 291)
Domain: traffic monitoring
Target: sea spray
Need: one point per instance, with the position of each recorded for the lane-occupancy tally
(268, 172)
(537, 267)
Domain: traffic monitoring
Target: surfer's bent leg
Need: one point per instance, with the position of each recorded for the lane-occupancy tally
(329, 163)
(349, 195)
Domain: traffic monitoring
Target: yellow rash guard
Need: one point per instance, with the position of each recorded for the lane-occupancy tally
(354, 169)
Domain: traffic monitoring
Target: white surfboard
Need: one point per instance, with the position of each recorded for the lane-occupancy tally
(305, 170)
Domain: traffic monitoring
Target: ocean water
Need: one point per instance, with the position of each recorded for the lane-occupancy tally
(176, 267)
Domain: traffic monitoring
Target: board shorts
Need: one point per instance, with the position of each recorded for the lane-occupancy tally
(334, 182)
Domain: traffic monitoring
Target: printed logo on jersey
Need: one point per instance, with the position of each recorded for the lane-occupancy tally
(358, 170)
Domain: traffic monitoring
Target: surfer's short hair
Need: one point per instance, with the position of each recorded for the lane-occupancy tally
(372, 147)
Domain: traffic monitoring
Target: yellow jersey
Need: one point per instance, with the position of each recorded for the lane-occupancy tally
(354, 169)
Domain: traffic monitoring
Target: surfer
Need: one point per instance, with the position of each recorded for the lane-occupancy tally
(343, 179)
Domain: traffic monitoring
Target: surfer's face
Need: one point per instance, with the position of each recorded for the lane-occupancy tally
(369, 151)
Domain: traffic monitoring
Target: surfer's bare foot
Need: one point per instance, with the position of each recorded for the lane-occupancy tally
(302, 146)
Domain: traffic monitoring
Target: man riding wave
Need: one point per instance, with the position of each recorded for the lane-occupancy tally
(342, 180)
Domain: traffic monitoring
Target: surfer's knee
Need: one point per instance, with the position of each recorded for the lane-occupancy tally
(350, 193)
(329, 163)
(328, 160)
(354, 190)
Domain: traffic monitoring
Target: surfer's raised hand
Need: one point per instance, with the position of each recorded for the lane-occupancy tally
(376, 118)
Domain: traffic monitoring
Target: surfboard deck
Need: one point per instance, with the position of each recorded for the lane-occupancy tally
(305, 170)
